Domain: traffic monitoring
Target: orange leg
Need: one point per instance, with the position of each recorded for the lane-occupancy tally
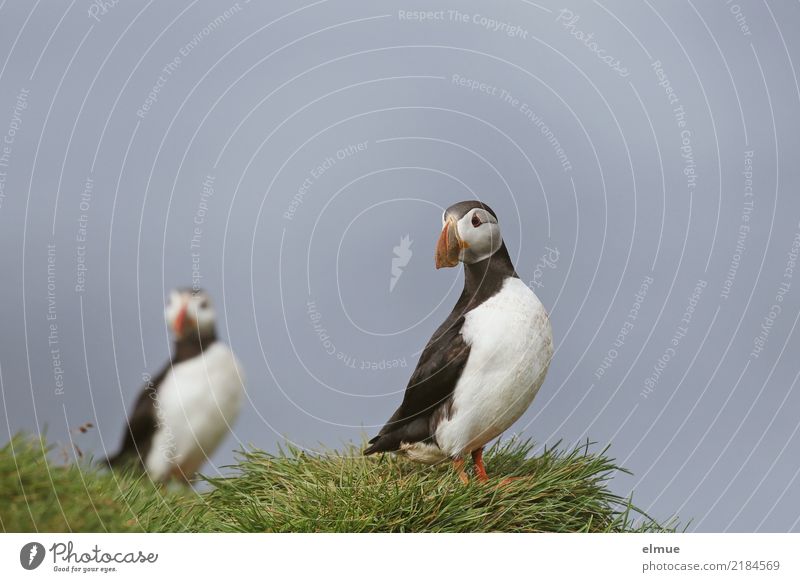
(480, 470)
(458, 465)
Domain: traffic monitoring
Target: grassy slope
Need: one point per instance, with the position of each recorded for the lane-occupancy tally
(335, 491)
(36, 495)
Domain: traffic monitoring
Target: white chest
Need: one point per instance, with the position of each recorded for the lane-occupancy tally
(511, 344)
(195, 408)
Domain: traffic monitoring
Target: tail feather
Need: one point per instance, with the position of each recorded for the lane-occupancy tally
(371, 449)
(383, 443)
(373, 445)
(417, 430)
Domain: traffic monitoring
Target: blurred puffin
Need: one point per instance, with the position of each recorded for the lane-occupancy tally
(184, 412)
(484, 365)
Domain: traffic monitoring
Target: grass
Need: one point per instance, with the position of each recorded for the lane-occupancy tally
(331, 491)
(37, 495)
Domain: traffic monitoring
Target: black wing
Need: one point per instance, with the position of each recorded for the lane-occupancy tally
(141, 425)
(429, 392)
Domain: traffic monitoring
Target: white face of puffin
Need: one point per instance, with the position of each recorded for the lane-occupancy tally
(190, 313)
(469, 239)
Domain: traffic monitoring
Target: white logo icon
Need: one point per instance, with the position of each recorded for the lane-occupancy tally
(402, 255)
(31, 555)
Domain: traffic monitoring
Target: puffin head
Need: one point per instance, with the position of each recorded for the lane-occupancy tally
(189, 314)
(470, 234)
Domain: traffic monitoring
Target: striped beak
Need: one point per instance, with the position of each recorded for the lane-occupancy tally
(180, 320)
(449, 245)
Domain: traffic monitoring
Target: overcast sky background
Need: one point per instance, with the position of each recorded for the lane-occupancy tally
(602, 178)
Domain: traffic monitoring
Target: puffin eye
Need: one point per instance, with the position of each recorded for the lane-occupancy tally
(204, 304)
(476, 220)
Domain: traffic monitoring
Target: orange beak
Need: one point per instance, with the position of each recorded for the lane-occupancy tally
(449, 245)
(180, 321)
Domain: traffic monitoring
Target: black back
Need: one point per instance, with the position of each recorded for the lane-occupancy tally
(429, 395)
(137, 438)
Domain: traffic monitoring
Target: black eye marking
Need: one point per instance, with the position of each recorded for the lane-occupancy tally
(476, 220)
(204, 304)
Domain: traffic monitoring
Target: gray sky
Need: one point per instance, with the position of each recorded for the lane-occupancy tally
(642, 160)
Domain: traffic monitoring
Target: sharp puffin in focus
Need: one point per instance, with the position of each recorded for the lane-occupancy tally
(187, 409)
(484, 365)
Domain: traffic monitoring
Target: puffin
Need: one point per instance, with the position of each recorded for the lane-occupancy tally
(484, 365)
(185, 411)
